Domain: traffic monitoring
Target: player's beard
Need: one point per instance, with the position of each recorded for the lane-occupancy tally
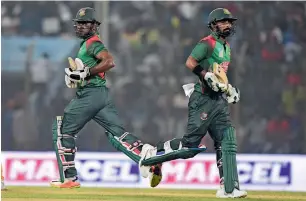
(226, 32)
(84, 32)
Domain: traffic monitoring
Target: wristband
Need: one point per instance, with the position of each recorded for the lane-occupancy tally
(197, 70)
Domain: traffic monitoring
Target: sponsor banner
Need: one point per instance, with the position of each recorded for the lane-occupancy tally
(256, 172)
(105, 170)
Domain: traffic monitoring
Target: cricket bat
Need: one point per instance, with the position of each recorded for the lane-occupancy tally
(220, 74)
(72, 64)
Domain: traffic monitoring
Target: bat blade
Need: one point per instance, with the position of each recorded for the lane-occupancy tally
(220, 73)
(72, 64)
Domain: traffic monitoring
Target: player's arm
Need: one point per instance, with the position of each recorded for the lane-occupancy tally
(199, 55)
(99, 51)
(201, 52)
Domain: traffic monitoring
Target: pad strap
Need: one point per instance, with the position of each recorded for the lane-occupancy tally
(132, 150)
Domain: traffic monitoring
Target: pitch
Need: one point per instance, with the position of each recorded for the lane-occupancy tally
(134, 194)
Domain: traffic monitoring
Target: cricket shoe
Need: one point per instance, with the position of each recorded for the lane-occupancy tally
(153, 172)
(147, 151)
(235, 194)
(155, 175)
(68, 183)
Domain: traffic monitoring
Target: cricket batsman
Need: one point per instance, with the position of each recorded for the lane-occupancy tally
(92, 102)
(208, 107)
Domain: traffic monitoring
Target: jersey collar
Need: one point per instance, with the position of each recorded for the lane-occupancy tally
(214, 35)
(89, 37)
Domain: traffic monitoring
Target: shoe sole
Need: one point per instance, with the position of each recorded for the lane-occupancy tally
(243, 196)
(59, 186)
(156, 176)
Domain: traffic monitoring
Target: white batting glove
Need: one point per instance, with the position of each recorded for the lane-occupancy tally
(233, 94)
(70, 83)
(214, 83)
(77, 75)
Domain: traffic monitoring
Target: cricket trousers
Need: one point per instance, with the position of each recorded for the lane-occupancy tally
(90, 104)
(206, 113)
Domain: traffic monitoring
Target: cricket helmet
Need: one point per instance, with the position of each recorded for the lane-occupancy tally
(221, 14)
(86, 23)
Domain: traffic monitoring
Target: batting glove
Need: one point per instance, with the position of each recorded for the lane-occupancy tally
(233, 94)
(70, 83)
(78, 75)
(214, 83)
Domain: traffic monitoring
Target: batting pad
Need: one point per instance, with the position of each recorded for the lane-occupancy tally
(182, 153)
(65, 149)
(131, 151)
(229, 150)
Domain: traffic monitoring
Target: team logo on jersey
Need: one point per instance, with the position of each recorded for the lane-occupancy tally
(203, 116)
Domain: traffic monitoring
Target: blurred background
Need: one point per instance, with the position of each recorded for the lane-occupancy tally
(151, 42)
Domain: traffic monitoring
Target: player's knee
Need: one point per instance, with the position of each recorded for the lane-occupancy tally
(190, 143)
(67, 140)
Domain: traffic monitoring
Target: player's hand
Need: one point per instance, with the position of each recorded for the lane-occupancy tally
(70, 83)
(233, 94)
(214, 83)
(78, 75)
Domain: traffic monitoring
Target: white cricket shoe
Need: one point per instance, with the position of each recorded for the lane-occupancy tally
(154, 172)
(235, 194)
(147, 152)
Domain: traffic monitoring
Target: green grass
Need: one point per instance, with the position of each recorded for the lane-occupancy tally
(110, 194)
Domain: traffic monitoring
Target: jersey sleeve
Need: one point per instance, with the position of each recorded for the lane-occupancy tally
(95, 48)
(201, 51)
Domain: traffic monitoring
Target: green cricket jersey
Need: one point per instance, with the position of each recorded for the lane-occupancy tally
(88, 50)
(209, 50)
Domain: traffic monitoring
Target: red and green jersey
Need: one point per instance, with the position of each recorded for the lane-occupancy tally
(209, 50)
(88, 50)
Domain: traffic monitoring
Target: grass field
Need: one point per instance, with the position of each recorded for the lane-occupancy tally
(106, 194)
